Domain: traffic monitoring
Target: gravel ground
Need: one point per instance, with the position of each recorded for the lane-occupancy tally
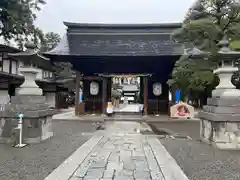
(35, 162)
(188, 128)
(200, 161)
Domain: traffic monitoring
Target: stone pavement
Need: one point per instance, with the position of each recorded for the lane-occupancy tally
(120, 152)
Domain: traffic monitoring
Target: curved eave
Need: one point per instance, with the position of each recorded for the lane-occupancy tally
(102, 25)
(27, 54)
(38, 60)
(8, 49)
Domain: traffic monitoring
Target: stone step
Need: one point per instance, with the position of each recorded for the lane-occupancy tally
(127, 113)
(125, 117)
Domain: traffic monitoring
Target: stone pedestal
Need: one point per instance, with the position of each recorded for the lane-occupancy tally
(37, 121)
(220, 123)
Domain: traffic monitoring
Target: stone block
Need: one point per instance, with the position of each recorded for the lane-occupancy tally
(206, 129)
(128, 164)
(222, 110)
(37, 121)
(231, 127)
(95, 173)
(6, 127)
(220, 137)
(219, 117)
(100, 164)
(142, 175)
(26, 106)
(108, 174)
(223, 102)
(28, 99)
(29, 113)
(226, 146)
(223, 135)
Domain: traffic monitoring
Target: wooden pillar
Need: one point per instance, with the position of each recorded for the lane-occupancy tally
(104, 95)
(78, 76)
(145, 95)
(109, 89)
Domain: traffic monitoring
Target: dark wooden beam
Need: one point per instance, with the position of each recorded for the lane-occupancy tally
(125, 75)
(91, 78)
(77, 85)
(145, 95)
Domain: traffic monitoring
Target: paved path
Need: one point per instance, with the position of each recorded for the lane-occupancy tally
(120, 153)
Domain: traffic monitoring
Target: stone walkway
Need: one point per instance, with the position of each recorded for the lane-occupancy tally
(120, 153)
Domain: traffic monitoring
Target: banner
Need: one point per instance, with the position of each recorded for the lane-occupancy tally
(177, 96)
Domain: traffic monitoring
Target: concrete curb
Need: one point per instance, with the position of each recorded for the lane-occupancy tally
(172, 120)
(79, 119)
(69, 116)
(166, 162)
(67, 168)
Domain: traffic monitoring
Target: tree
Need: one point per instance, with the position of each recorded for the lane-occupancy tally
(62, 70)
(49, 41)
(17, 19)
(205, 25)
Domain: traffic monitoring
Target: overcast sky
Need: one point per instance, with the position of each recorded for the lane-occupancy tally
(52, 15)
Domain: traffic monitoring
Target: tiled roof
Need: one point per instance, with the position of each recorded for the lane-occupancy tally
(118, 40)
(123, 45)
(62, 48)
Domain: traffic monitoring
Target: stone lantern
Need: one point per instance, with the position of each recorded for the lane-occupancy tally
(30, 59)
(220, 118)
(225, 71)
(29, 100)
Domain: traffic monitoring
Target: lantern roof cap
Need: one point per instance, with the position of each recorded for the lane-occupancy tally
(224, 48)
(196, 53)
(31, 51)
(31, 56)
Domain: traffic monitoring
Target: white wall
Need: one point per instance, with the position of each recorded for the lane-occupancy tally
(39, 74)
(3, 96)
(20, 64)
(14, 67)
(6, 65)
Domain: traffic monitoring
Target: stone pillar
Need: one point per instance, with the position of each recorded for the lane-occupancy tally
(220, 118)
(145, 95)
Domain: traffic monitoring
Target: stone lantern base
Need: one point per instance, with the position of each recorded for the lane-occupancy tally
(220, 123)
(37, 121)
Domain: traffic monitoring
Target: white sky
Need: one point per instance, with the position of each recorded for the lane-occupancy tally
(52, 15)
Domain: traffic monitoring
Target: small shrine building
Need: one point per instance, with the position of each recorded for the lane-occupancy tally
(97, 51)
